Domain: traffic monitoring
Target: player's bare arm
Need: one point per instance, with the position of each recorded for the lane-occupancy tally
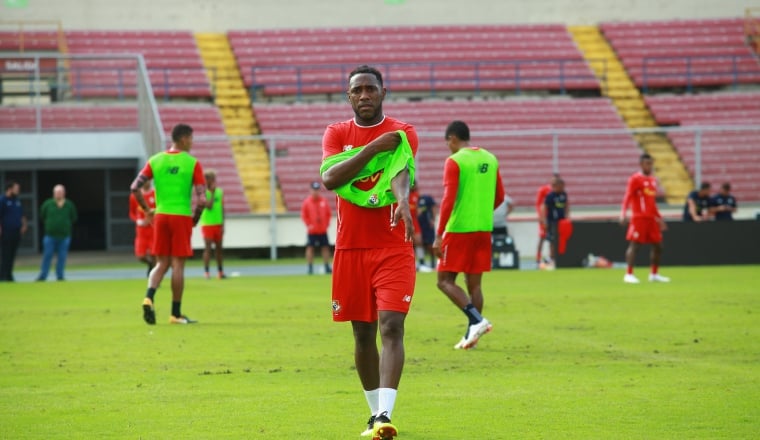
(136, 190)
(342, 173)
(200, 192)
(693, 211)
(400, 188)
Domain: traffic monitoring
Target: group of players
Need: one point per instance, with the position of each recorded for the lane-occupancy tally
(368, 161)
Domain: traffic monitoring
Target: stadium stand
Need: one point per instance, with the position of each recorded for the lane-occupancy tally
(204, 119)
(684, 53)
(414, 58)
(726, 156)
(595, 167)
(35, 41)
(213, 154)
(171, 57)
(70, 118)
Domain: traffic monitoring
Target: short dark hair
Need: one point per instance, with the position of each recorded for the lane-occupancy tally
(366, 69)
(458, 129)
(726, 186)
(704, 185)
(181, 130)
(10, 184)
(645, 156)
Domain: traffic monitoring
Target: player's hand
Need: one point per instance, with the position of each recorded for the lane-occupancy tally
(437, 246)
(623, 221)
(663, 225)
(386, 142)
(403, 213)
(149, 215)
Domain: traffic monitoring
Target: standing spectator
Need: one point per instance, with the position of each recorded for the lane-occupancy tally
(697, 207)
(427, 212)
(143, 227)
(540, 198)
(723, 205)
(212, 225)
(374, 262)
(646, 222)
(176, 174)
(500, 215)
(315, 213)
(555, 210)
(58, 214)
(12, 227)
(472, 189)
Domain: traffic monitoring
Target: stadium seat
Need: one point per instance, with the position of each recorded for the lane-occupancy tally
(684, 53)
(727, 154)
(413, 58)
(596, 167)
(171, 57)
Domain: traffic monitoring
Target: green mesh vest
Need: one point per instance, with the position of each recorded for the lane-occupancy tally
(215, 215)
(473, 208)
(390, 162)
(173, 179)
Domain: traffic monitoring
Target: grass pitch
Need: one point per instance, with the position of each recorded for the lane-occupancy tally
(575, 354)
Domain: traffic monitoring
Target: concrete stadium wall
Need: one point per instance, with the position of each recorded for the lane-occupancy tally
(219, 16)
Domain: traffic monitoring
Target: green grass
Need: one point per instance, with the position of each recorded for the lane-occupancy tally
(575, 354)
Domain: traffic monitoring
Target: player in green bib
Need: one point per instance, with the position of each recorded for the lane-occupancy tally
(176, 175)
(212, 225)
(472, 190)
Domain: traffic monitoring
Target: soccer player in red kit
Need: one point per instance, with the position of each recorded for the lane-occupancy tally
(646, 222)
(374, 265)
(143, 227)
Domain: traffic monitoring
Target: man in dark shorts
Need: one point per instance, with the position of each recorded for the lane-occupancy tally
(316, 214)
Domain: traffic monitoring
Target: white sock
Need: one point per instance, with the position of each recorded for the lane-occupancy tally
(387, 401)
(420, 251)
(373, 400)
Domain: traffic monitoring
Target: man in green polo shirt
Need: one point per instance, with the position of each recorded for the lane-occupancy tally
(58, 214)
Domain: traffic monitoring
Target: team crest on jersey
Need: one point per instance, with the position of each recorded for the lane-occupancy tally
(336, 306)
(373, 200)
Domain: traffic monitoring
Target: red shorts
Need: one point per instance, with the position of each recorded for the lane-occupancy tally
(213, 232)
(467, 252)
(172, 235)
(367, 280)
(644, 230)
(143, 241)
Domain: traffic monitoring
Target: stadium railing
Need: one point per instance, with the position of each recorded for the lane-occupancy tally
(723, 70)
(431, 77)
(39, 68)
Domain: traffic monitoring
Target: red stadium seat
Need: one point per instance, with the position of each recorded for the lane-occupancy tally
(596, 167)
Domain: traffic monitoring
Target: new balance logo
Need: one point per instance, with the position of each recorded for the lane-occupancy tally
(407, 298)
(173, 170)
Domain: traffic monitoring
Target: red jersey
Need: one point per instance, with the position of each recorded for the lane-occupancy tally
(315, 213)
(359, 227)
(541, 197)
(136, 212)
(641, 196)
(414, 200)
